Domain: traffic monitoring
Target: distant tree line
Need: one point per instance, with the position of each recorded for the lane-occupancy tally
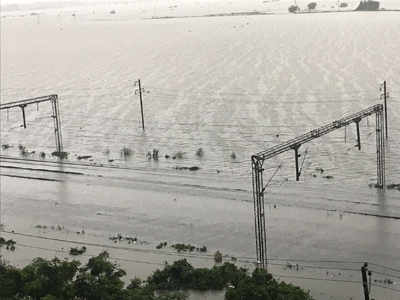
(100, 279)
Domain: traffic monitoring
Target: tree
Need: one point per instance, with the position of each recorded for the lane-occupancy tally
(99, 279)
(262, 286)
(173, 277)
(48, 278)
(10, 281)
(293, 9)
(312, 5)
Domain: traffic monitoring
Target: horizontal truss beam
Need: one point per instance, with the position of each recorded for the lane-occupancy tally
(316, 133)
(23, 103)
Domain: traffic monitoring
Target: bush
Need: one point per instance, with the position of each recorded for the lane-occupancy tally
(233, 155)
(178, 155)
(126, 152)
(61, 155)
(218, 257)
(200, 153)
(10, 244)
(76, 251)
(183, 248)
(155, 154)
(161, 245)
(293, 9)
(312, 5)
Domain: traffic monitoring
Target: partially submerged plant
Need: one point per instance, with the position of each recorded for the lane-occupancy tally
(77, 251)
(200, 152)
(161, 245)
(126, 152)
(10, 244)
(178, 155)
(218, 257)
(61, 155)
(155, 154)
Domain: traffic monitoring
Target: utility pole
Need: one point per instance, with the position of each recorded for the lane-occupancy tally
(364, 270)
(139, 90)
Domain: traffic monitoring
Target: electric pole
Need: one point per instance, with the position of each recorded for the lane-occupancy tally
(139, 91)
(364, 270)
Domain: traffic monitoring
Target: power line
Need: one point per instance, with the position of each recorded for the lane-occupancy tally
(385, 287)
(386, 267)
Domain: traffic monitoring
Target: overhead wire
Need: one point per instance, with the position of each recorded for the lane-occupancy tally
(241, 259)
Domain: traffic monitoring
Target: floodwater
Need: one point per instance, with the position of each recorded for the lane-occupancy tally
(226, 85)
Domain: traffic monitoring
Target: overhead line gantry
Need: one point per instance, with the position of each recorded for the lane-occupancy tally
(53, 99)
(294, 144)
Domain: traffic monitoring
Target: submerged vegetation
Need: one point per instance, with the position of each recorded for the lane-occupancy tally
(178, 155)
(77, 251)
(61, 155)
(293, 9)
(102, 279)
(126, 152)
(188, 248)
(9, 244)
(200, 152)
(218, 257)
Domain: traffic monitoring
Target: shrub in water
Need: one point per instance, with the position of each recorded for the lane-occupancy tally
(179, 155)
(218, 257)
(200, 152)
(125, 151)
(76, 251)
(155, 154)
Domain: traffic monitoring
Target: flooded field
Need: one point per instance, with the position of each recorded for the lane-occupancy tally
(230, 86)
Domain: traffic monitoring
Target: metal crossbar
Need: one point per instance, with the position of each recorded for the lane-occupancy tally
(313, 134)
